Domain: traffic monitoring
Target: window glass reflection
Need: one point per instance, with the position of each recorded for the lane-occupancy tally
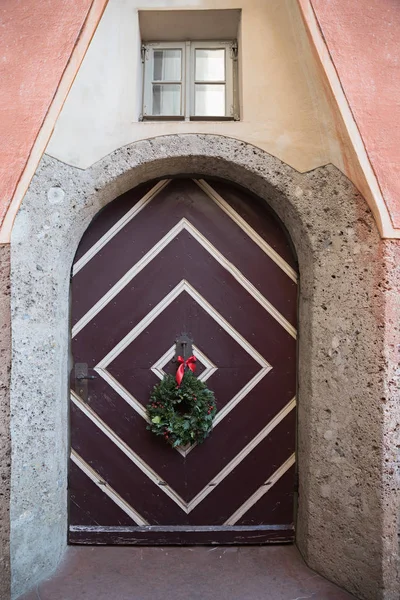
(167, 99)
(209, 100)
(167, 65)
(210, 64)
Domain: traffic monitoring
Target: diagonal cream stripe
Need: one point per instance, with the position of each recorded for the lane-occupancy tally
(182, 286)
(227, 326)
(131, 400)
(107, 489)
(158, 367)
(141, 326)
(129, 275)
(240, 395)
(253, 235)
(232, 403)
(119, 225)
(261, 491)
(242, 455)
(137, 461)
(101, 367)
(152, 475)
(210, 368)
(234, 271)
(183, 224)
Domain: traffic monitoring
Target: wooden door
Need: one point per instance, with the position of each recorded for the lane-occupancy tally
(208, 259)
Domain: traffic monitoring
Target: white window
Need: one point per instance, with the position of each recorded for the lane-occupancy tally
(190, 80)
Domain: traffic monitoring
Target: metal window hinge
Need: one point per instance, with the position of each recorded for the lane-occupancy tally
(233, 112)
(234, 50)
(144, 52)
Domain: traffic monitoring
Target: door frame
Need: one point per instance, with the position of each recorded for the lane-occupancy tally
(207, 534)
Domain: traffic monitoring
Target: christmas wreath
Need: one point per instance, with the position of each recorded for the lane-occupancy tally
(181, 408)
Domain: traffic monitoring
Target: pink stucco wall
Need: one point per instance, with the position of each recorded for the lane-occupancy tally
(37, 39)
(363, 39)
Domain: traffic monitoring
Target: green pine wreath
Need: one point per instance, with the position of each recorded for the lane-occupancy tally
(181, 414)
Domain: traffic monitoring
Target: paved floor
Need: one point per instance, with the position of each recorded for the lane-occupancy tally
(200, 573)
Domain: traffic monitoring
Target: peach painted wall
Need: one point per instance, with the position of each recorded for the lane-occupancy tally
(37, 39)
(363, 39)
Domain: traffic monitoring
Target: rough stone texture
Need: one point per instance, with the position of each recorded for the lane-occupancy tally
(390, 285)
(347, 517)
(5, 443)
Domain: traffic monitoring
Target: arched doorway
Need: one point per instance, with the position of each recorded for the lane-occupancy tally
(205, 258)
(336, 243)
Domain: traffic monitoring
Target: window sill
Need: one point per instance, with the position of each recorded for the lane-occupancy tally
(148, 118)
(213, 119)
(160, 118)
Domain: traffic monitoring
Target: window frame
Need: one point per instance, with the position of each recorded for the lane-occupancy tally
(188, 81)
(148, 80)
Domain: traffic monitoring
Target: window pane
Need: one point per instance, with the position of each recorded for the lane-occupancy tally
(209, 100)
(210, 65)
(167, 99)
(167, 65)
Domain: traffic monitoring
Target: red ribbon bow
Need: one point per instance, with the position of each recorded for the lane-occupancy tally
(190, 363)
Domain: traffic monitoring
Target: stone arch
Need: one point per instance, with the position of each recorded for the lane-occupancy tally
(339, 253)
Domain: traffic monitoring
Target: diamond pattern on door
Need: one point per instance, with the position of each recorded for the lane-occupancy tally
(209, 259)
